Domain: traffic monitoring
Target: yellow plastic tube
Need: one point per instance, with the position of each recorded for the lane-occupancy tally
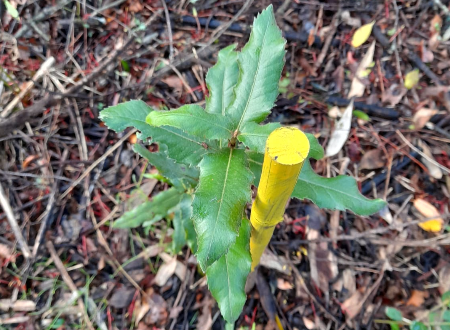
(286, 150)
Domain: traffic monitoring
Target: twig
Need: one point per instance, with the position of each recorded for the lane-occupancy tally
(94, 164)
(432, 161)
(48, 209)
(328, 40)
(68, 280)
(17, 120)
(13, 223)
(169, 30)
(371, 109)
(38, 75)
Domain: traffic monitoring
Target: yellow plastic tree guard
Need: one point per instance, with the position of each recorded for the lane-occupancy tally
(286, 150)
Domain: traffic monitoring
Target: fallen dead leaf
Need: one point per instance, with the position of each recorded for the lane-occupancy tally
(393, 95)
(372, 160)
(435, 171)
(357, 88)
(417, 298)
(271, 261)
(340, 133)
(322, 262)
(284, 285)
(176, 83)
(429, 211)
(18, 305)
(166, 271)
(426, 55)
(436, 24)
(422, 116)
(412, 78)
(352, 305)
(309, 324)
(444, 279)
(5, 252)
(362, 34)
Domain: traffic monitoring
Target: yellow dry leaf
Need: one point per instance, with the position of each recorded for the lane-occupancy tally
(362, 34)
(412, 78)
(429, 211)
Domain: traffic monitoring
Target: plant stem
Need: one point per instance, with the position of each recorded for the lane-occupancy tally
(286, 150)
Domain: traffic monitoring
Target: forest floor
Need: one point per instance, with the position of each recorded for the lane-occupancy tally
(65, 177)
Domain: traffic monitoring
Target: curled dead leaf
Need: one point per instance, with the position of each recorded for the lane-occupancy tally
(425, 208)
(373, 159)
(417, 298)
(422, 116)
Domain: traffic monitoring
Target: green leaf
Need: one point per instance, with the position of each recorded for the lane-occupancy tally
(223, 191)
(182, 147)
(339, 193)
(195, 121)
(260, 63)
(254, 136)
(188, 224)
(316, 151)
(415, 325)
(182, 213)
(151, 211)
(227, 276)
(394, 314)
(11, 10)
(180, 175)
(446, 298)
(394, 326)
(221, 79)
(255, 162)
(446, 316)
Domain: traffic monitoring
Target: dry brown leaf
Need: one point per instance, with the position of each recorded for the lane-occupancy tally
(426, 55)
(135, 6)
(436, 24)
(176, 83)
(444, 279)
(322, 262)
(435, 171)
(422, 116)
(352, 306)
(166, 271)
(272, 261)
(357, 88)
(393, 95)
(429, 211)
(5, 252)
(372, 160)
(417, 298)
(284, 285)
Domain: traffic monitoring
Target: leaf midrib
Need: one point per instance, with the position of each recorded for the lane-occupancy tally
(254, 79)
(221, 202)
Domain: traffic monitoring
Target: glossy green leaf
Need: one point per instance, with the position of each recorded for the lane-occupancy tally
(395, 326)
(182, 147)
(415, 325)
(260, 63)
(195, 121)
(219, 201)
(394, 314)
(221, 79)
(180, 175)
(182, 213)
(254, 136)
(151, 211)
(227, 276)
(339, 193)
(315, 149)
(188, 224)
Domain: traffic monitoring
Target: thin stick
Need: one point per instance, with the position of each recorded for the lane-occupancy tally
(68, 280)
(445, 169)
(169, 30)
(13, 223)
(38, 75)
(94, 164)
(49, 207)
